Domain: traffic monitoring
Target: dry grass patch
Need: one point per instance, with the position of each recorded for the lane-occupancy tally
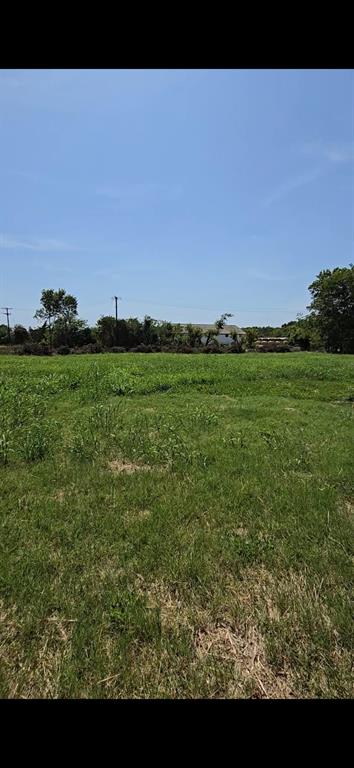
(292, 612)
(39, 676)
(137, 515)
(348, 508)
(246, 650)
(59, 496)
(174, 613)
(241, 532)
(118, 466)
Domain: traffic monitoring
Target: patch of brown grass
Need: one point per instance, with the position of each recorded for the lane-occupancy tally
(296, 609)
(137, 515)
(241, 532)
(38, 675)
(173, 611)
(119, 466)
(246, 650)
(59, 496)
(348, 507)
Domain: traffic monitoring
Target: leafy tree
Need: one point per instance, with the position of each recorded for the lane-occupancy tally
(251, 337)
(134, 328)
(4, 338)
(68, 315)
(167, 332)
(332, 308)
(194, 335)
(303, 332)
(38, 334)
(219, 324)
(149, 330)
(74, 333)
(55, 305)
(20, 334)
(106, 330)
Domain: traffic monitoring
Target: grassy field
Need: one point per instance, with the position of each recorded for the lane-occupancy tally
(176, 526)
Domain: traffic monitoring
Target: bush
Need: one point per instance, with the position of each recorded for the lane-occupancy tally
(63, 350)
(34, 348)
(142, 348)
(236, 348)
(210, 349)
(89, 349)
(116, 349)
(186, 349)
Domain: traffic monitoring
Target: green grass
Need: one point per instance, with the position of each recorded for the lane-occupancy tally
(176, 526)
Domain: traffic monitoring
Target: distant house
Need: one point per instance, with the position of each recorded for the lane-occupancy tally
(225, 337)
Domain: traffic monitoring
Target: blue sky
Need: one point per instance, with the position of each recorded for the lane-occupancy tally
(186, 192)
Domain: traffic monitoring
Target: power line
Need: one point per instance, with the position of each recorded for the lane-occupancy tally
(180, 306)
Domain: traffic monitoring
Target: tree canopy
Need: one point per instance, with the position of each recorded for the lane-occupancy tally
(332, 308)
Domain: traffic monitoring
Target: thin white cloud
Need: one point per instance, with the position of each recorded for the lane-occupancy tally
(289, 186)
(10, 242)
(335, 152)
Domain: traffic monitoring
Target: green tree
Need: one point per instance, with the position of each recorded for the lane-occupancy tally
(219, 324)
(332, 308)
(74, 333)
(251, 337)
(106, 330)
(20, 334)
(134, 327)
(4, 338)
(149, 330)
(194, 335)
(38, 334)
(167, 333)
(55, 305)
(68, 315)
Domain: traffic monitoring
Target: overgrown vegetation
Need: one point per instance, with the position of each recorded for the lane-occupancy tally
(329, 326)
(176, 526)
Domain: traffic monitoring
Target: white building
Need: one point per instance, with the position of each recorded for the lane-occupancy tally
(226, 335)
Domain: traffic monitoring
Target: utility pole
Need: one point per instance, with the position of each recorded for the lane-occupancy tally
(116, 299)
(8, 313)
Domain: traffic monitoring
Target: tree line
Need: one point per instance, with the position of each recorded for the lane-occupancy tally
(328, 326)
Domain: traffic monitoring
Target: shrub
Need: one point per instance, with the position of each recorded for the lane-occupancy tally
(116, 349)
(35, 348)
(142, 348)
(210, 349)
(63, 350)
(236, 348)
(186, 349)
(89, 349)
